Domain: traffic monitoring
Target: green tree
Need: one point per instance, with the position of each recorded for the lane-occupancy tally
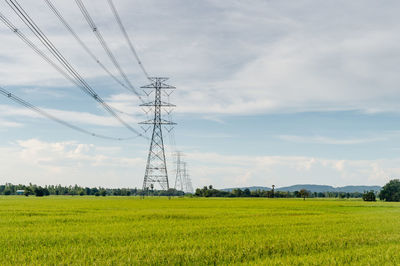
(39, 192)
(304, 193)
(391, 191)
(369, 196)
(28, 191)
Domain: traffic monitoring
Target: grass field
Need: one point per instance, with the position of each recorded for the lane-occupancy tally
(129, 230)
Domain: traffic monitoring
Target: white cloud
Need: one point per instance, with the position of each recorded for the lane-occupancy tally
(9, 112)
(328, 140)
(231, 57)
(67, 163)
(227, 170)
(71, 162)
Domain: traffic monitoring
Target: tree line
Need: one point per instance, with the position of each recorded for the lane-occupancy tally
(390, 192)
(32, 189)
(239, 193)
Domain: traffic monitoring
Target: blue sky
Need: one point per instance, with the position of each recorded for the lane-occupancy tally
(268, 92)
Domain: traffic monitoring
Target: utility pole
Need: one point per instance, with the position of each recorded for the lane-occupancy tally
(156, 167)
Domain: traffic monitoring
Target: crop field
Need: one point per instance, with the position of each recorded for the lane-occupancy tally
(197, 231)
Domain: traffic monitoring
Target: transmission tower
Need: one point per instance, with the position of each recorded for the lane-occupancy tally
(156, 167)
(179, 184)
(187, 181)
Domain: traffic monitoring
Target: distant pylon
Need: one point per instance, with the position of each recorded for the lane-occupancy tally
(187, 181)
(156, 167)
(179, 185)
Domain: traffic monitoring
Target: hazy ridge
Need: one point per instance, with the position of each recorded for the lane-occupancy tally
(313, 188)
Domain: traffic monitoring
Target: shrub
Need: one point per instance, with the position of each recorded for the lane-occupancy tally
(369, 196)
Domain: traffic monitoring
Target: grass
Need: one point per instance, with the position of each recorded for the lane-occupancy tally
(129, 230)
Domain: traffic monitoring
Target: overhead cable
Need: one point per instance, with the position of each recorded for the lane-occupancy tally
(128, 40)
(84, 46)
(60, 58)
(103, 43)
(52, 117)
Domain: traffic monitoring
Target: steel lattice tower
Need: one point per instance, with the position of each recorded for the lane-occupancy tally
(187, 180)
(156, 167)
(179, 175)
(182, 180)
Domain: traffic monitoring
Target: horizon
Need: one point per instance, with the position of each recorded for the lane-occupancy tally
(267, 93)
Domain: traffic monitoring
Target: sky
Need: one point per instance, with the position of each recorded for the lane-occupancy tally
(267, 92)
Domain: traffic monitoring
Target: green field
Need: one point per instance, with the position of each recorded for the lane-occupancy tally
(198, 231)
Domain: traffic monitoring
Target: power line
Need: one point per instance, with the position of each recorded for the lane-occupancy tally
(84, 46)
(128, 40)
(60, 58)
(45, 57)
(62, 122)
(103, 43)
(36, 49)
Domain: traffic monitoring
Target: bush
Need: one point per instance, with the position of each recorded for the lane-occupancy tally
(391, 191)
(369, 196)
(39, 192)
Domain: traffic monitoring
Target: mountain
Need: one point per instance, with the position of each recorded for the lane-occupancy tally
(313, 188)
(322, 188)
(250, 188)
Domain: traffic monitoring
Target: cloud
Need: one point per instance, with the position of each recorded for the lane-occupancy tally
(327, 140)
(71, 162)
(8, 124)
(228, 57)
(69, 116)
(68, 162)
(227, 170)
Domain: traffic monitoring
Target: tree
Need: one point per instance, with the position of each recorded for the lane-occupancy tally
(304, 194)
(237, 192)
(46, 192)
(39, 192)
(391, 191)
(369, 196)
(28, 191)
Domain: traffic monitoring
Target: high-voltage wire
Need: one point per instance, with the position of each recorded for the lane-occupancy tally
(36, 49)
(60, 58)
(84, 46)
(128, 40)
(103, 43)
(62, 122)
(45, 57)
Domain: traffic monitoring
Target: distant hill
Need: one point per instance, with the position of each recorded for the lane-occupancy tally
(322, 188)
(250, 188)
(313, 188)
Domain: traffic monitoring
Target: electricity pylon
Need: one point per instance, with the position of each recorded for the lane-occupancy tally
(156, 167)
(182, 180)
(187, 181)
(179, 185)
